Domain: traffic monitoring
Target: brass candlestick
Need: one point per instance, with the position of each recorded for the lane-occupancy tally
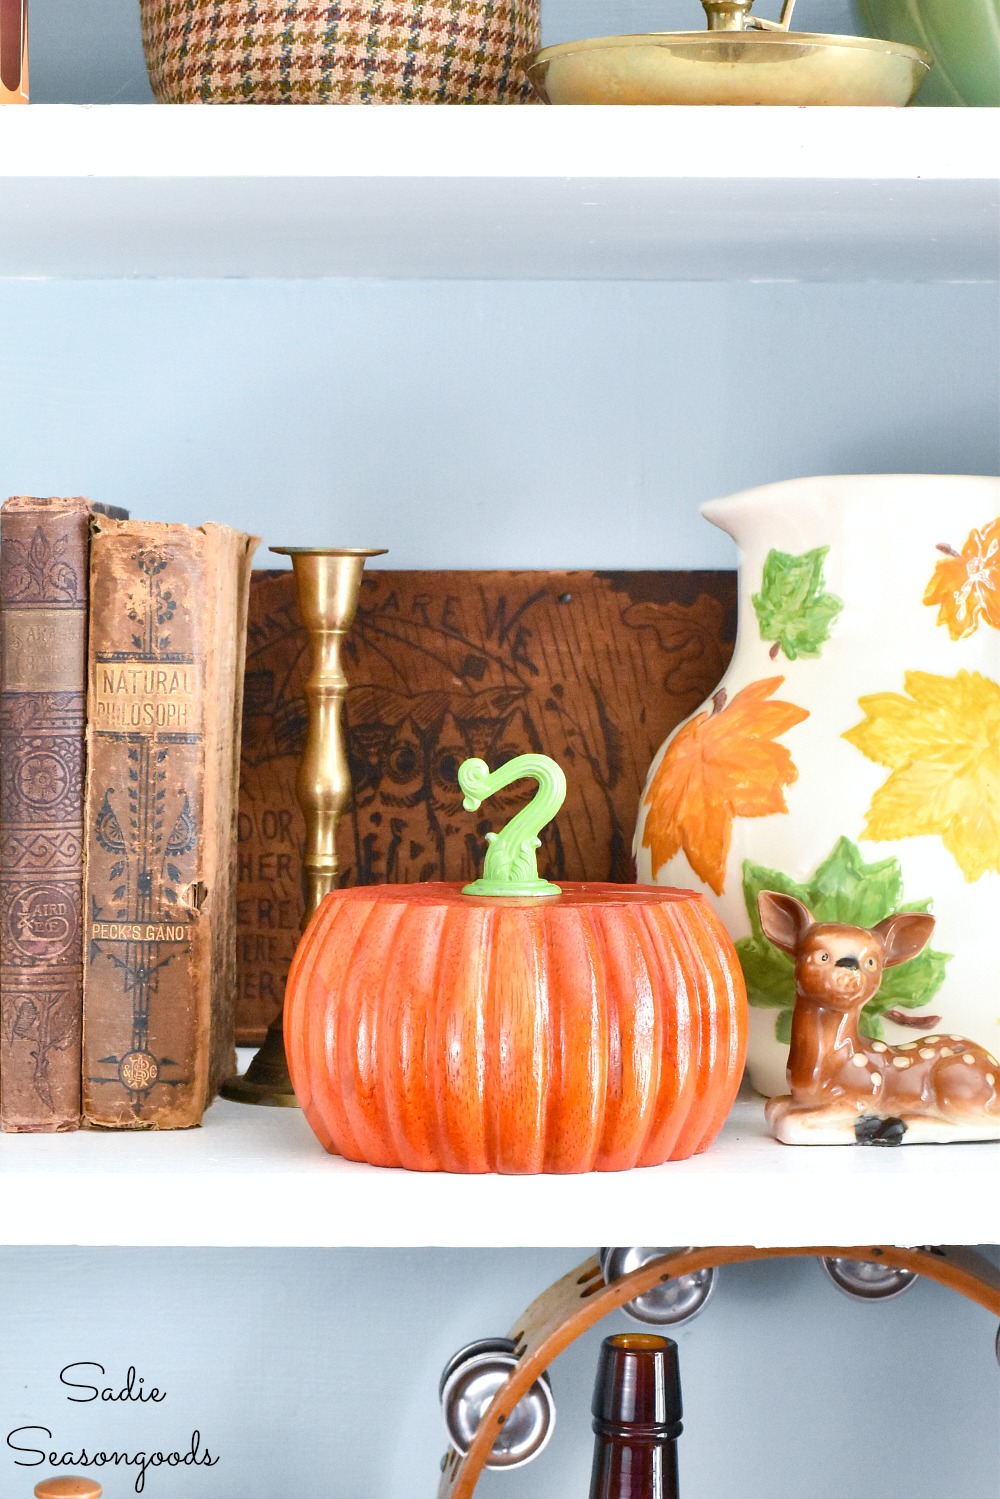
(328, 581)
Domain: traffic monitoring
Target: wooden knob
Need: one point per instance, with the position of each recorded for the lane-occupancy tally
(68, 1488)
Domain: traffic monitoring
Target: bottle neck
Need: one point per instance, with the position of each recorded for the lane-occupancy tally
(630, 1467)
(637, 1419)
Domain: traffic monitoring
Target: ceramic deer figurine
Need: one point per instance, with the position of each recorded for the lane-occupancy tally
(846, 1090)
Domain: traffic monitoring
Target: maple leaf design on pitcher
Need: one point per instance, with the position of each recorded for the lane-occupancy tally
(793, 607)
(722, 765)
(942, 743)
(966, 585)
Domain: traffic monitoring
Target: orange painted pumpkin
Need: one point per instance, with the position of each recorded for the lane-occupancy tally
(594, 1030)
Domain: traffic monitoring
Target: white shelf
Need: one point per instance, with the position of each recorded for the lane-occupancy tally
(258, 1177)
(727, 195)
(500, 193)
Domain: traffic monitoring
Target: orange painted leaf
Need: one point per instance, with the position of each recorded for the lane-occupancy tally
(966, 584)
(721, 765)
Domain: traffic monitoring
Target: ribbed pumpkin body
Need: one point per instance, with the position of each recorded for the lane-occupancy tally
(594, 1031)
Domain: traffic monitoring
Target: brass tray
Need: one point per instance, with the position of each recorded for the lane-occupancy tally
(730, 67)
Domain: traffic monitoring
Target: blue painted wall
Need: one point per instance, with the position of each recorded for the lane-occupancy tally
(316, 1373)
(473, 425)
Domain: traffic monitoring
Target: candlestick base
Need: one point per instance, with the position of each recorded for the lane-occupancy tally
(266, 1081)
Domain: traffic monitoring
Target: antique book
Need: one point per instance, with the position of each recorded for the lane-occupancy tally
(44, 546)
(13, 51)
(167, 641)
(592, 668)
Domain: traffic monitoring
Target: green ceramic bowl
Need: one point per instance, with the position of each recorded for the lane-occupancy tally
(963, 37)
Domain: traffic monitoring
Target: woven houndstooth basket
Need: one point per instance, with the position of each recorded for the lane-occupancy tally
(307, 52)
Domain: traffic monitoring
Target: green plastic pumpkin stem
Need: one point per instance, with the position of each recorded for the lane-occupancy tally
(511, 867)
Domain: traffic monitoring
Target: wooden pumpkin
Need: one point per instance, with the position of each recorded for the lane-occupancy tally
(596, 1027)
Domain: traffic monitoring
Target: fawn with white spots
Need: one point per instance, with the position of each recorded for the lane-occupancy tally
(846, 1089)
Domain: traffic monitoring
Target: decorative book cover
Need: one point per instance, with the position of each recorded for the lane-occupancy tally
(13, 51)
(167, 641)
(44, 544)
(592, 668)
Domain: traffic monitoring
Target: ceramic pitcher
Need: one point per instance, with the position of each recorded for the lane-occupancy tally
(851, 755)
(963, 37)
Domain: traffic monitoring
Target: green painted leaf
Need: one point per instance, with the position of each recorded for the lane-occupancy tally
(792, 608)
(844, 888)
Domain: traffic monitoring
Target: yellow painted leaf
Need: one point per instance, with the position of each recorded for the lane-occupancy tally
(942, 743)
(721, 765)
(966, 585)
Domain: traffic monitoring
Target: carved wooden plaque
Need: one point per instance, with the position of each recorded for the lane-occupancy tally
(594, 669)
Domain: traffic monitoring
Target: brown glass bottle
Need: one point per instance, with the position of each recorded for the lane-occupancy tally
(637, 1419)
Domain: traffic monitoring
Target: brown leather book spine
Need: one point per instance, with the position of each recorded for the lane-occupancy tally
(13, 51)
(43, 587)
(167, 642)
